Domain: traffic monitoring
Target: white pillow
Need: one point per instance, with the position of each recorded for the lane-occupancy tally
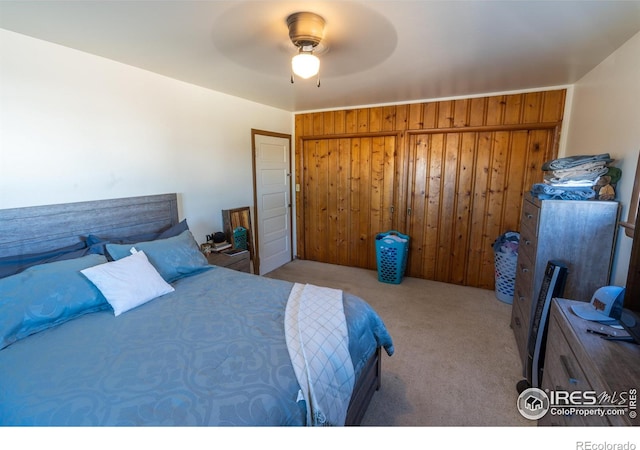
(128, 282)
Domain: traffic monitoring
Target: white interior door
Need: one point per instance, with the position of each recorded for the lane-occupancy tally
(273, 200)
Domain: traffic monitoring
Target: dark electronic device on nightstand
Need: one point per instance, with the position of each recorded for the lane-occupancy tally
(553, 283)
(630, 321)
(630, 317)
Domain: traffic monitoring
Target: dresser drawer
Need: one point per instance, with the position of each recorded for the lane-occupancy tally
(563, 373)
(530, 217)
(528, 244)
(561, 367)
(240, 262)
(520, 327)
(522, 297)
(241, 265)
(524, 273)
(521, 308)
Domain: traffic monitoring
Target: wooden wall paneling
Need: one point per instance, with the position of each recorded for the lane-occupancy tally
(417, 180)
(312, 164)
(340, 122)
(553, 106)
(351, 121)
(495, 108)
(334, 195)
(478, 253)
(375, 119)
(349, 191)
(388, 119)
(377, 200)
(512, 111)
(425, 199)
(532, 110)
(464, 188)
(363, 120)
(388, 184)
(415, 118)
(343, 202)
(430, 115)
(361, 183)
(402, 117)
(308, 125)
(401, 182)
(495, 201)
(402, 157)
(448, 194)
(298, 190)
(318, 123)
(460, 113)
(328, 122)
(433, 203)
(477, 110)
(464, 206)
(516, 160)
(541, 146)
(445, 114)
(377, 191)
(320, 215)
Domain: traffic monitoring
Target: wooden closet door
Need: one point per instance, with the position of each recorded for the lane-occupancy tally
(465, 190)
(348, 197)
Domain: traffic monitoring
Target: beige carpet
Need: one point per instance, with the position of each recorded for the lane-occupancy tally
(455, 361)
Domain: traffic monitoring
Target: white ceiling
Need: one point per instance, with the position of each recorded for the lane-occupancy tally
(377, 51)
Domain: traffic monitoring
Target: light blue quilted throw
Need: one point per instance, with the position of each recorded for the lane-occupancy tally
(318, 344)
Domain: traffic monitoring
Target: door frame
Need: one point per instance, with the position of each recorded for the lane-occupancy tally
(256, 218)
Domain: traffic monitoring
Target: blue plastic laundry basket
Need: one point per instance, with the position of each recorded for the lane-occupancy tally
(392, 249)
(240, 238)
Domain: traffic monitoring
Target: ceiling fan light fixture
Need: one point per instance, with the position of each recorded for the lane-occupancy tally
(305, 64)
(306, 30)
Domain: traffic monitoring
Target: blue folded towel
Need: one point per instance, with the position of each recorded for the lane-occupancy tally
(547, 192)
(574, 161)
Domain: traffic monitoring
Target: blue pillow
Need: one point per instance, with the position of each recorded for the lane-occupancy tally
(174, 258)
(46, 295)
(97, 244)
(175, 230)
(10, 265)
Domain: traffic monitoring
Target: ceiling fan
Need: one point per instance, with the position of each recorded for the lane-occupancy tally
(306, 30)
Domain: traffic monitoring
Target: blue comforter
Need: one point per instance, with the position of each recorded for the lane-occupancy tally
(211, 353)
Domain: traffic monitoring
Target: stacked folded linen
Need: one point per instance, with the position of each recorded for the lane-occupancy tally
(581, 177)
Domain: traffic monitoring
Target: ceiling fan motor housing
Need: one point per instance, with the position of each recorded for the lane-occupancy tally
(305, 29)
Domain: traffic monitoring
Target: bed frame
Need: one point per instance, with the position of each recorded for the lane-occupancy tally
(41, 228)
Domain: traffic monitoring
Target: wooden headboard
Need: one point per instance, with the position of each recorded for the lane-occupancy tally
(40, 228)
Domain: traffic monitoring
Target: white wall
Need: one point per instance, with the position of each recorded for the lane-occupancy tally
(77, 127)
(605, 118)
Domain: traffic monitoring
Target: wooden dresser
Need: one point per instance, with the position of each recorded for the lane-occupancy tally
(577, 360)
(578, 233)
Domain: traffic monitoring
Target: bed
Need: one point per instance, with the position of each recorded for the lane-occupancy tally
(186, 344)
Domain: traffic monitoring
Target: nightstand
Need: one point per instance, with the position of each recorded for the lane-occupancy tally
(238, 261)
